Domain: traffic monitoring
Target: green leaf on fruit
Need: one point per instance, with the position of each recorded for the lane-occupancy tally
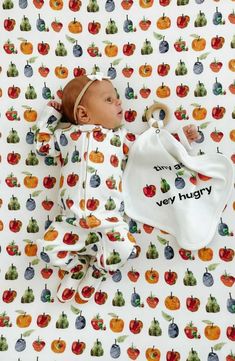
(35, 261)
(27, 333)
(218, 346)
(49, 248)
(162, 240)
(204, 56)
(36, 193)
(204, 125)
(213, 266)
(70, 39)
(27, 240)
(116, 61)
(32, 60)
(157, 36)
(62, 192)
(208, 322)
(113, 314)
(75, 310)
(107, 42)
(21, 312)
(91, 169)
(27, 173)
(195, 36)
(196, 105)
(121, 338)
(166, 316)
(26, 107)
(21, 39)
(181, 172)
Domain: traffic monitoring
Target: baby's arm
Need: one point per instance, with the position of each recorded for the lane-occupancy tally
(46, 143)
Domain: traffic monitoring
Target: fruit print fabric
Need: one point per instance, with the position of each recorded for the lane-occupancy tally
(91, 221)
(150, 56)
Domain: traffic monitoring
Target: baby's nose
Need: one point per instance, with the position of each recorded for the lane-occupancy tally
(118, 101)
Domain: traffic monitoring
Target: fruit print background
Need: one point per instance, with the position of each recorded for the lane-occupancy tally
(32, 326)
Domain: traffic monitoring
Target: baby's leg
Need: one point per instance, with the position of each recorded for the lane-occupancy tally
(71, 248)
(116, 246)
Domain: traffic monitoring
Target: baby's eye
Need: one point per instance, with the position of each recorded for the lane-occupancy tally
(109, 100)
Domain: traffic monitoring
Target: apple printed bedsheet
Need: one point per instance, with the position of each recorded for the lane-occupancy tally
(169, 303)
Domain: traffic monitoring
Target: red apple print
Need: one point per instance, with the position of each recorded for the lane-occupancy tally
(230, 332)
(218, 112)
(181, 113)
(127, 4)
(216, 66)
(173, 356)
(75, 135)
(135, 326)
(216, 136)
(145, 92)
(127, 71)
(9, 295)
(47, 204)
(75, 5)
(9, 48)
(186, 254)
(133, 352)
(147, 228)
(92, 204)
(72, 179)
(182, 21)
(227, 280)
(70, 238)
(78, 347)
(226, 254)
(9, 24)
(79, 71)
(67, 294)
(152, 301)
(46, 272)
(149, 190)
(69, 202)
(13, 158)
(49, 182)
(43, 320)
(15, 225)
(100, 297)
(130, 115)
(38, 345)
(98, 135)
(13, 92)
(182, 90)
(217, 42)
(192, 303)
(191, 331)
(12, 114)
(94, 27)
(38, 3)
(114, 160)
(133, 275)
(43, 71)
(56, 26)
(163, 69)
(180, 45)
(170, 277)
(87, 291)
(128, 49)
(144, 24)
(13, 249)
(43, 48)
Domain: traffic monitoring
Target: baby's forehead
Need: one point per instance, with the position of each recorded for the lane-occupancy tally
(103, 86)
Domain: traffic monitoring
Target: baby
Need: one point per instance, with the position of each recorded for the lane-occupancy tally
(90, 237)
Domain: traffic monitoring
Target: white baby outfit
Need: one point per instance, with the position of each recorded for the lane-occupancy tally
(90, 237)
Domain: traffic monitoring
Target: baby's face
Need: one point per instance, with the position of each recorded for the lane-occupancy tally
(102, 104)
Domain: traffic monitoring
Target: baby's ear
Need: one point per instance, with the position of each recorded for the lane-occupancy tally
(82, 116)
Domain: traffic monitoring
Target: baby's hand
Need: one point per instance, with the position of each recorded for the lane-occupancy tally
(57, 106)
(191, 133)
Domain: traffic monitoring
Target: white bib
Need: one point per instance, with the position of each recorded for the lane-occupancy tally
(167, 188)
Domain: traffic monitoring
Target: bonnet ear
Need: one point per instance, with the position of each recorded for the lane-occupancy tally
(150, 114)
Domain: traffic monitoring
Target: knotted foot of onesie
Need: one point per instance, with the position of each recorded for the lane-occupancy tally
(83, 279)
